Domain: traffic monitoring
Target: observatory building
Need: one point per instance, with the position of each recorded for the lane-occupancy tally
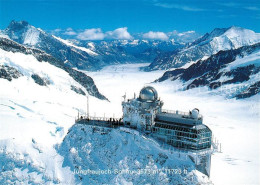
(183, 130)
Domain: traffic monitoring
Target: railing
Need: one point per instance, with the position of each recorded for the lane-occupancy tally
(91, 118)
(180, 113)
(216, 145)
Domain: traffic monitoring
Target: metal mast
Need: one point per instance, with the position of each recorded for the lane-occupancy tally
(88, 106)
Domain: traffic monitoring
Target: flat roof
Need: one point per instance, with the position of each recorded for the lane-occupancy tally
(178, 118)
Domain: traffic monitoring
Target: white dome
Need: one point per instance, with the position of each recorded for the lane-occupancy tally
(195, 113)
(148, 94)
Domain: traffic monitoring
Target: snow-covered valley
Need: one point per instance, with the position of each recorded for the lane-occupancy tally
(235, 123)
(35, 119)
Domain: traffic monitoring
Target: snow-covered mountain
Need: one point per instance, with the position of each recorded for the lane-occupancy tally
(137, 50)
(87, 55)
(26, 34)
(39, 98)
(234, 73)
(211, 43)
(11, 70)
(123, 156)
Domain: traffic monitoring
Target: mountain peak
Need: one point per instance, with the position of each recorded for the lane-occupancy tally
(15, 25)
(239, 30)
(217, 32)
(234, 35)
(240, 36)
(23, 33)
(236, 28)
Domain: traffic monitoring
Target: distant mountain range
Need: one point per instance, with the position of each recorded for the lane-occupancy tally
(226, 56)
(87, 55)
(130, 51)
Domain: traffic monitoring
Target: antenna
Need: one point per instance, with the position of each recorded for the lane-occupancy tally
(88, 106)
(124, 96)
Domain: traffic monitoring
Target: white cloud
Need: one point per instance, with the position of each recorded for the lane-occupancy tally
(183, 37)
(155, 35)
(241, 6)
(91, 34)
(186, 33)
(181, 7)
(254, 8)
(57, 30)
(190, 32)
(119, 33)
(98, 34)
(229, 4)
(69, 31)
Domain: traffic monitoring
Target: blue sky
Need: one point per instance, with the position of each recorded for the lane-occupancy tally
(137, 16)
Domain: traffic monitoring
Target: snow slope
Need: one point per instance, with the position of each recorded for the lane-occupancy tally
(130, 158)
(68, 43)
(253, 59)
(234, 38)
(34, 119)
(31, 37)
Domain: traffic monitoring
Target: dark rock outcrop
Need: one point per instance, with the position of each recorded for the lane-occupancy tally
(9, 73)
(250, 91)
(41, 81)
(78, 90)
